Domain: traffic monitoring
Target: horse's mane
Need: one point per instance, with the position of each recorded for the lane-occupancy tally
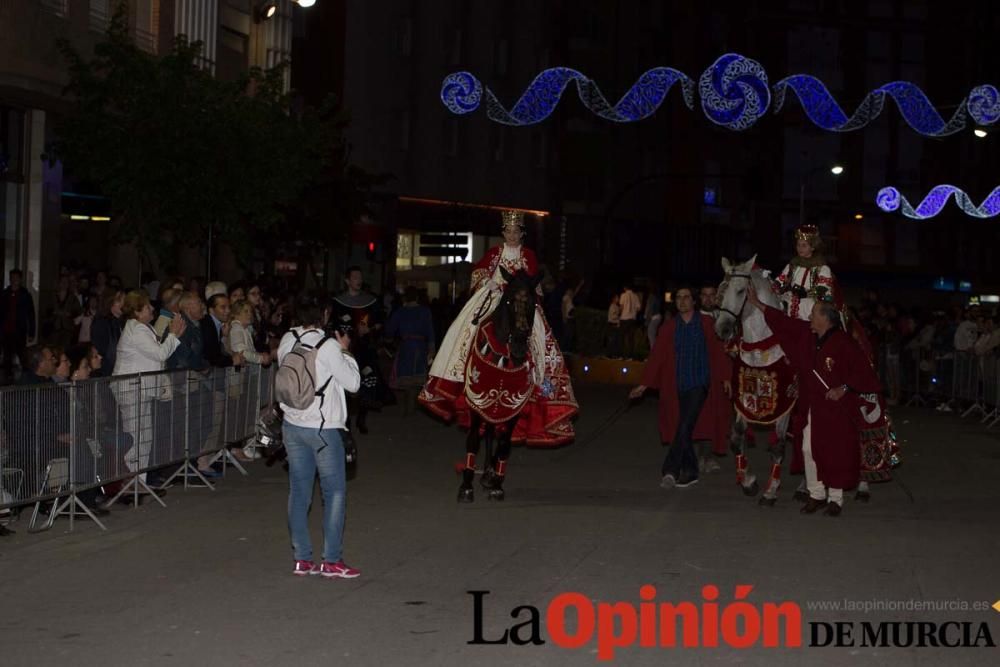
(503, 316)
(764, 287)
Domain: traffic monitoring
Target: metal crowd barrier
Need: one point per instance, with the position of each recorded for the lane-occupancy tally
(62, 443)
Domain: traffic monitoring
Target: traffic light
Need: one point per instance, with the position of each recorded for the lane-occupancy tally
(371, 250)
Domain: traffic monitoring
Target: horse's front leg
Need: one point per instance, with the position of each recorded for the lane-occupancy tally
(494, 478)
(738, 443)
(465, 492)
(777, 451)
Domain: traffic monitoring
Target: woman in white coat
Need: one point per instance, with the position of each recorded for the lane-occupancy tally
(241, 341)
(140, 351)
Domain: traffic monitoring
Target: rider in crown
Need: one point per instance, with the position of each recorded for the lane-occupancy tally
(546, 420)
(807, 278)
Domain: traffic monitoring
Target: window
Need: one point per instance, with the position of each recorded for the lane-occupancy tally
(100, 15)
(57, 7)
(145, 25)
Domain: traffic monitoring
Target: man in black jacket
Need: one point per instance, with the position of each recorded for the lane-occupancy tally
(17, 320)
(214, 332)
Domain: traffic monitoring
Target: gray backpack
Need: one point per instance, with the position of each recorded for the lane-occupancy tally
(295, 380)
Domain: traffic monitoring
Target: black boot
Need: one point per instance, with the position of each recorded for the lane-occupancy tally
(362, 422)
(465, 492)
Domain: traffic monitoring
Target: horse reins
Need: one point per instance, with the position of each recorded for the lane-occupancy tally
(749, 278)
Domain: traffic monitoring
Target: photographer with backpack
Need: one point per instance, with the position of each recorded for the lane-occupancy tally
(314, 372)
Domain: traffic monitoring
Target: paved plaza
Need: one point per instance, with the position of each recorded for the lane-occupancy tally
(207, 581)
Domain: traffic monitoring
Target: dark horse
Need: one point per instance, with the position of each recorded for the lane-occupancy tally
(498, 380)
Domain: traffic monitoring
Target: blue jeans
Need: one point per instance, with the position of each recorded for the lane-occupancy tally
(310, 451)
(681, 457)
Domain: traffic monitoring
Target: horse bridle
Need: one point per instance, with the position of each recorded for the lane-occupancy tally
(749, 278)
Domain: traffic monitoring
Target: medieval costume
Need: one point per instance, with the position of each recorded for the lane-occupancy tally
(453, 390)
(830, 441)
(806, 279)
(677, 340)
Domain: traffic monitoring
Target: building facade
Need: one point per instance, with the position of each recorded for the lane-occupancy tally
(661, 199)
(46, 222)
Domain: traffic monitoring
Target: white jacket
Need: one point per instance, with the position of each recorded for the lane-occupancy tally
(139, 351)
(241, 340)
(332, 361)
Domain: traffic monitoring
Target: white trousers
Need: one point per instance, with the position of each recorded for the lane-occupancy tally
(816, 488)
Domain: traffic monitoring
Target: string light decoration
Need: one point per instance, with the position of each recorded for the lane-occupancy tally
(734, 93)
(462, 93)
(889, 199)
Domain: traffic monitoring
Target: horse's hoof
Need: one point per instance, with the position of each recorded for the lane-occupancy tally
(752, 489)
(465, 494)
(801, 496)
(767, 502)
(496, 494)
(862, 496)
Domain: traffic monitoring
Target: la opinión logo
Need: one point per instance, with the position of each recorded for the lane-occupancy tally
(574, 621)
(648, 624)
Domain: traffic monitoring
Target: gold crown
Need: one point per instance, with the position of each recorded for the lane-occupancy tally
(513, 219)
(807, 233)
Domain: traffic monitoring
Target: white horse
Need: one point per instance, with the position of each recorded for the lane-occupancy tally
(765, 389)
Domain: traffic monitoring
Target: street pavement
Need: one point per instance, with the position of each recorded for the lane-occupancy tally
(207, 581)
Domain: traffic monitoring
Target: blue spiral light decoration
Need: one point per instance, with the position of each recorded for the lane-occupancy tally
(461, 93)
(734, 93)
(889, 199)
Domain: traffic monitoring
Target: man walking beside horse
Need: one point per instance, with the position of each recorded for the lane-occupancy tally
(833, 374)
(690, 367)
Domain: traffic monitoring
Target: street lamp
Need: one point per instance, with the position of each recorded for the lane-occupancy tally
(836, 170)
(266, 10)
(304, 3)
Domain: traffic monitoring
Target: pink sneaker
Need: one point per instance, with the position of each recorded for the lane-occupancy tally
(338, 569)
(305, 567)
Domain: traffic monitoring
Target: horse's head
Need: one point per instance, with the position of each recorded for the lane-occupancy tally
(733, 296)
(515, 316)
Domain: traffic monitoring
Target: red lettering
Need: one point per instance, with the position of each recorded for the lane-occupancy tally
(555, 620)
(647, 617)
(710, 616)
(793, 624)
(607, 639)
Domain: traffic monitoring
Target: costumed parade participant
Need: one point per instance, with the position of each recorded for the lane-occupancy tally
(806, 279)
(834, 378)
(690, 368)
(361, 312)
(499, 369)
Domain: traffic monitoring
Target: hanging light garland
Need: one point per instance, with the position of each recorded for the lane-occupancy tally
(734, 93)
(889, 199)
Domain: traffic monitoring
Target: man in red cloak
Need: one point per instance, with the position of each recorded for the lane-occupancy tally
(690, 368)
(833, 374)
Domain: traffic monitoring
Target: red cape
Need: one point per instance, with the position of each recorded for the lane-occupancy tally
(716, 418)
(839, 360)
